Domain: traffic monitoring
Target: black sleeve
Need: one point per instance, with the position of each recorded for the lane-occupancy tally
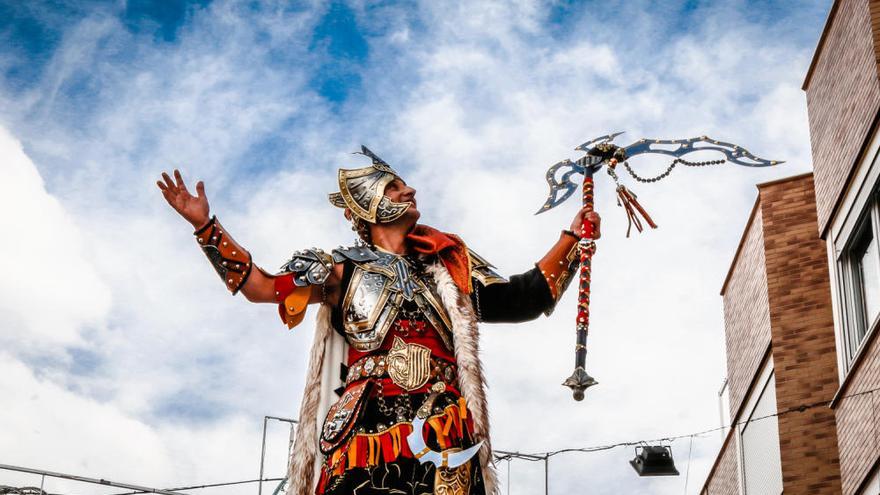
(523, 298)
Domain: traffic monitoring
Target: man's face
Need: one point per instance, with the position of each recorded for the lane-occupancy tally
(399, 192)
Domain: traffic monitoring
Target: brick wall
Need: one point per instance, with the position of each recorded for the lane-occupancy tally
(802, 328)
(777, 296)
(843, 97)
(857, 424)
(724, 477)
(874, 8)
(746, 313)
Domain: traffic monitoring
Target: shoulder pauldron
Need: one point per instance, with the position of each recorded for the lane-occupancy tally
(484, 271)
(309, 267)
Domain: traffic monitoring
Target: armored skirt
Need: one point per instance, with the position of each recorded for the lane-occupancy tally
(376, 457)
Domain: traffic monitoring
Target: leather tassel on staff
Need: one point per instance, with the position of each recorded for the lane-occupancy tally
(600, 151)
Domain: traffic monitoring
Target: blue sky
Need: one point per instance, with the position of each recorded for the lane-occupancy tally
(471, 102)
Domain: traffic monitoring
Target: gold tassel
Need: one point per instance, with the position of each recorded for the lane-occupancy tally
(448, 425)
(395, 440)
(352, 454)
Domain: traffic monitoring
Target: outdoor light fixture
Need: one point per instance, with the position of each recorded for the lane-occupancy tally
(654, 460)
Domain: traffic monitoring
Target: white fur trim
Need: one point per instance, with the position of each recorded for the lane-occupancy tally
(328, 348)
(466, 338)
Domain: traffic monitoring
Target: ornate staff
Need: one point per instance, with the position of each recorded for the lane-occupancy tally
(600, 151)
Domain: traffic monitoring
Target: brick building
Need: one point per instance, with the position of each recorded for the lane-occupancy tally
(802, 298)
(843, 99)
(780, 352)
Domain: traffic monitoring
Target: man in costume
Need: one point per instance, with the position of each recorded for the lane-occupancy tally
(396, 341)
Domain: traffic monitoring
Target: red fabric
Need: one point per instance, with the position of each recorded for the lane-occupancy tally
(391, 389)
(428, 338)
(449, 248)
(283, 287)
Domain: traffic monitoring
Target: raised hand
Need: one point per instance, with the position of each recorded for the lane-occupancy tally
(592, 217)
(192, 208)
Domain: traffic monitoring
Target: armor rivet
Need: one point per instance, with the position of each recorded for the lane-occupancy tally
(229, 281)
(219, 231)
(233, 253)
(214, 238)
(225, 243)
(201, 240)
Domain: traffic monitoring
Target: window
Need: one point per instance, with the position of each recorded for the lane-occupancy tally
(859, 273)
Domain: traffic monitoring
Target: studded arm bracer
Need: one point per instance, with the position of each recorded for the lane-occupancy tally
(559, 264)
(232, 262)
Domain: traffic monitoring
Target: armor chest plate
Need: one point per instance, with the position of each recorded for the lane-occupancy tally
(376, 294)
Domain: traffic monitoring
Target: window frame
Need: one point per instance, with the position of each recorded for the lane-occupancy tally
(855, 326)
(858, 201)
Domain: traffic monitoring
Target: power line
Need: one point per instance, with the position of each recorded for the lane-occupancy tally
(540, 456)
(687, 473)
(211, 485)
(95, 481)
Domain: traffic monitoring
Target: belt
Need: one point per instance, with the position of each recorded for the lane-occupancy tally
(408, 372)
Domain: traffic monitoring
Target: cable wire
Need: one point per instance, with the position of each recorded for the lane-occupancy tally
(211, 485)
(687, 473)
(540, 456)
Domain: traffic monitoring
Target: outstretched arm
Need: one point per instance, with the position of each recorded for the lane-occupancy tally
(536, 291)
(231, 261)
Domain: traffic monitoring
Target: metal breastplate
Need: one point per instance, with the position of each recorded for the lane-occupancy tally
(375, 294)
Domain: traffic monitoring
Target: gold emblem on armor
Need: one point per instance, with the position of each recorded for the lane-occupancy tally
(409, 365)
(453, 481)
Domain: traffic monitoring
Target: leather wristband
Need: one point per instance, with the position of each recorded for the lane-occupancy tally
(232, 262)
(559, 264)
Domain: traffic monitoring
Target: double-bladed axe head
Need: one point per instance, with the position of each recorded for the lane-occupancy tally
(560, 175)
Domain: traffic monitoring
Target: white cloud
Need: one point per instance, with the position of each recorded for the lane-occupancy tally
(51, 288)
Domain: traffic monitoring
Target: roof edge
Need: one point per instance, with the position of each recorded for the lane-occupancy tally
(828, 21)
(742, 241)
(790, 178)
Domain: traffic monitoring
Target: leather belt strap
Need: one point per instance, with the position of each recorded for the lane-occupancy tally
(376, 366)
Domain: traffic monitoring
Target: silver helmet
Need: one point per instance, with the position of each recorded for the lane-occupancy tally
(362, 191)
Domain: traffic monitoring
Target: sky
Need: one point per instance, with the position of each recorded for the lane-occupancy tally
(123, 357)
